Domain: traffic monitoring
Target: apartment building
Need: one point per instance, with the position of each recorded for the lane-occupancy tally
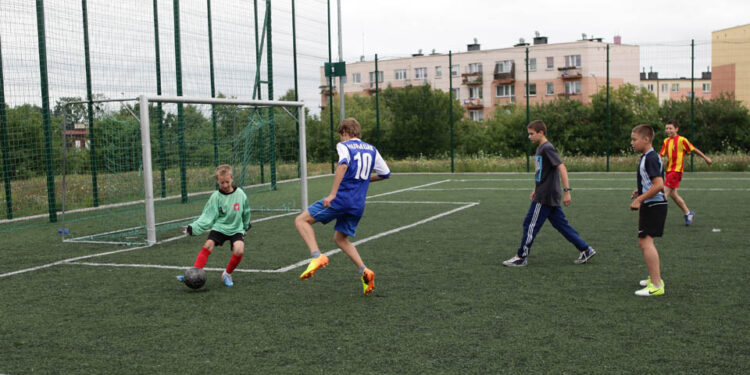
(486, 79)
(676, 88)
(730, 60)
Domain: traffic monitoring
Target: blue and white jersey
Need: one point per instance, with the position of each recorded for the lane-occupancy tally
(650, 167)
(361, 159)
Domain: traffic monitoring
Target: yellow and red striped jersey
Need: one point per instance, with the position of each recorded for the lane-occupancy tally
(675, 149)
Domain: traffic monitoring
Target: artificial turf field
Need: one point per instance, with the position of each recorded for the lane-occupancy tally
(442, 301)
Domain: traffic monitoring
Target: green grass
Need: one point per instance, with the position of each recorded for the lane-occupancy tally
(442, 302)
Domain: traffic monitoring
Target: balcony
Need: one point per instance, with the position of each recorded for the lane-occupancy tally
(473, 103)
(370, 87)
(471, 79)
(570, 72)
(505, 77)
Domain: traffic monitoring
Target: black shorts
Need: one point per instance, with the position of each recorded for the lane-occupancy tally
(651, 218)
(219, 238)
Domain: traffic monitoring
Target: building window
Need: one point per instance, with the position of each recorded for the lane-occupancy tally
(457, 93)
(420, 73)
(400, 75)
(503, 66)
(675, 87)
(550, 88)
(372, 78)
(438, 71)
(532, 89)
(664, 87)
(532, 64)
(476, 115)
(454, 70)
(573, 60)
(651, 87)
(475, 68)
(504, 91)
(356, 78)
(706, 87)
(573, 87)
(550, 63)
(475, 92)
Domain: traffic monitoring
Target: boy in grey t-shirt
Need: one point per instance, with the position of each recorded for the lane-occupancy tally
(545, 199)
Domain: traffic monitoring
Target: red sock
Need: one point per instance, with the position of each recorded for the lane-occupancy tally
(202, 258)
(233, 262)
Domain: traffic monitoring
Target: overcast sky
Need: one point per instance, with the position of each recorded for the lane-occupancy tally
(401, 27)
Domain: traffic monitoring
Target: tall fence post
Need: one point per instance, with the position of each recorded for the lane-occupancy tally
(4, 142)
(272, 123)
(160, 114)
(296, 89)
(528, 113)
(213, 85)
(90, 98)
(377, 106)
(450, 104)
(332, 151)
(692, 97)
(609, 116)
(180, 110)
(47, 121)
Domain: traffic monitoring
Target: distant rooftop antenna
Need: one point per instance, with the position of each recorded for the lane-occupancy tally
(583, 36)
(521, 40)
(536, 34)
(476, 40)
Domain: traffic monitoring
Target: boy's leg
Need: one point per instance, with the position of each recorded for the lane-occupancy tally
(202, 258)
(367, 276)
(559, 222)
(672, 193)
(238, 250)
(533, 222)
(304, 222)
(651, 256)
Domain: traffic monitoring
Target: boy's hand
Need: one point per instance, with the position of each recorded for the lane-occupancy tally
(531, 196)
(566, 198)
(708, 160)
(327, 200)
(186, 230)
(634, 195)
(636, 205)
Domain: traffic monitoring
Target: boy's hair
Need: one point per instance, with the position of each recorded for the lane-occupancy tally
(223, 170)
(537, 126)
(674, 123)
(644, 131)
(351, 127)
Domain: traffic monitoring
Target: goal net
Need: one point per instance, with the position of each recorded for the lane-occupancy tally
(149, 164)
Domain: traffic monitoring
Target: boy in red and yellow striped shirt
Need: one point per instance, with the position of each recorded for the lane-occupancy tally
(675, 147)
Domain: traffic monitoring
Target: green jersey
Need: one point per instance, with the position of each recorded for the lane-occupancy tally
(225, 213)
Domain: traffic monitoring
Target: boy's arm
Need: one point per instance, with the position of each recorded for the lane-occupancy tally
(380, 168)
(337, 178)
(658, 185)
(706, 158)
(565, 183)
(206, 220)
(246, 215)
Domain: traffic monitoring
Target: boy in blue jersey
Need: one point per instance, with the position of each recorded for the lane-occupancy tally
(651, 204)
(227, 215)
(346, 203)
(545, 200)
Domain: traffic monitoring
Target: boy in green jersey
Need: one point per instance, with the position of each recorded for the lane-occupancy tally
(227, 215)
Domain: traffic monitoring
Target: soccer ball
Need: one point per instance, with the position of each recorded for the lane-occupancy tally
(195, 278)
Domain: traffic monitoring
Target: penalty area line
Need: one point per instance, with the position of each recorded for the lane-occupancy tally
(380, 235)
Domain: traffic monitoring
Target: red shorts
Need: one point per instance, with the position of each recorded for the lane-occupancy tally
(673, 180)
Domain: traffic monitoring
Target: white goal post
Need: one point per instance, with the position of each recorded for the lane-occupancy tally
(145, 99)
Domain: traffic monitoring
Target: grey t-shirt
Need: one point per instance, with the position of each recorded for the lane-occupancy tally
(546, 175)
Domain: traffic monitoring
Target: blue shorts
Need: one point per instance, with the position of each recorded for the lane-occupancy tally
(345, 223)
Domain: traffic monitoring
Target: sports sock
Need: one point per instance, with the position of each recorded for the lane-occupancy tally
(202, 258)
(233, 262)
(362, 269)
(315, 254)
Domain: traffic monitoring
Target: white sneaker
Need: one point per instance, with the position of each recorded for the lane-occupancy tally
(227, 279)
(646, 281)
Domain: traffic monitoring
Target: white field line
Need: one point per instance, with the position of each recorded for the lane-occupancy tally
(304, 262)
(597, 179)
(419, 202)
(579, 188)
(72, 260)
(379, 235)
(141, 201)
(406, 189)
